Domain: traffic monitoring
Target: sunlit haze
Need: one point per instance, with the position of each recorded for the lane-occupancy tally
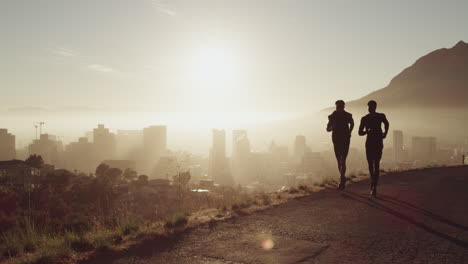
(206, 64)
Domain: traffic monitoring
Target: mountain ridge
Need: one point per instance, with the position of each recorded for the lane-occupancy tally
(438, 79)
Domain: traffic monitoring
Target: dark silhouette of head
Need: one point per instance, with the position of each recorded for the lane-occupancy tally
(340, 104)
(372, 106)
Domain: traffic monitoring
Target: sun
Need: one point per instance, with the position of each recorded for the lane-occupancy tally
(214, 65)
(214, 79)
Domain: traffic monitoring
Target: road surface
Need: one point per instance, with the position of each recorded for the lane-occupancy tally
(420, 217)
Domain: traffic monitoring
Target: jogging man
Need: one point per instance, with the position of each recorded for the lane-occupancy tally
(371, 125)
(341, 124)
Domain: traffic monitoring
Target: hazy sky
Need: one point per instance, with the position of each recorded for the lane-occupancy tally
(170, 56)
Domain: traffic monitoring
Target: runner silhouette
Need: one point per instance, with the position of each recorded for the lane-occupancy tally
(341, 124)
(371, 125)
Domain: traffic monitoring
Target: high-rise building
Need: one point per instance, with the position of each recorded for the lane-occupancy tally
(155, 140)
(104, 142)
(424, 149)
(128, 143)
(240, 160)
(240, 143)
(299, 148)
(219, 168)
(7, 145)
(48, 147)
(398, 151)
(154, 147)
(81, 156)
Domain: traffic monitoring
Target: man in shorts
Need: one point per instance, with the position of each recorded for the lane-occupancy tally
(341, 124)
(371, 125)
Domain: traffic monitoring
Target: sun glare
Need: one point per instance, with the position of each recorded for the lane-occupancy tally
(214, 65)
(214, 79)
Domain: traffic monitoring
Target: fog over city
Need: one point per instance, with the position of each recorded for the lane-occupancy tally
(196, 66)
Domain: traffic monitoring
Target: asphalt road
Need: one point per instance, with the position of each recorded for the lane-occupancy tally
(419, 217)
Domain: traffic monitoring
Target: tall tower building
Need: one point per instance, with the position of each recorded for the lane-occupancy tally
(48, 147)
(154, 146)
(7, 145)
(398, 151)
(218, 156)
(241, 157)
(424, 149)
(155, 140)
(299, 147)
(104, 142)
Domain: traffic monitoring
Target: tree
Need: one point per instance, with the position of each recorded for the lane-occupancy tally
(130, 175)
(114, 175)
(182, 179)
(142, 180)
(101, 170)
(35, 161)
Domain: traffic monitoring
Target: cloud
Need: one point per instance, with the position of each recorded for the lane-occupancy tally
(161, 6)
(100, 68)
(64, 52)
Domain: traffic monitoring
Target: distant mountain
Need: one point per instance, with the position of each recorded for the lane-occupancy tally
(428, 98)
(437, 80)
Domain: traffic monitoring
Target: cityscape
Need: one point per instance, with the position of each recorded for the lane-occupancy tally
(233, 131)
(146, 152)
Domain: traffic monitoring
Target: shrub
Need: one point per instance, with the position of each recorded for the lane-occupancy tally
(266, 199)
(303, 187)
(103, 239)
(78, 243)
(293, 190)
(18, 241)
(11, 246)
(178, 220)
(235, 207)
(131, 226)
(245, 204)
(77, 223)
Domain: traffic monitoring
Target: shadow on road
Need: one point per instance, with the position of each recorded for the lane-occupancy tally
(410, 206)
(375, 204)
(143, 250)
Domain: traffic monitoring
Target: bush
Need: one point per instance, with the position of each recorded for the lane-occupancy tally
(235, 207)
(52, 251)
(78, 243)
(293, 190)
(179, 220)
(303, 187)
(104, 239)
(129, 227)
(245, 204)
(266, 199)
(18, 241)
(77, 223)
(11, 246)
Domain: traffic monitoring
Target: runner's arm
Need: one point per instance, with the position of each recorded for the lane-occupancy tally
(362, 128)
(330, 124)
(386, 125)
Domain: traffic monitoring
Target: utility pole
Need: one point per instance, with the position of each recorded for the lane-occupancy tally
(40, 127)
(39, 124)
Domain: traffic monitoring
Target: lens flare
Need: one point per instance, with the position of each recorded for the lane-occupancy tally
(268, 244)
